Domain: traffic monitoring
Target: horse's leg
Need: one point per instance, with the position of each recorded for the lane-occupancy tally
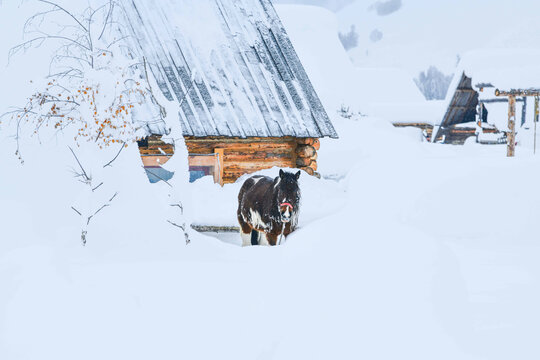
(245, 231)
(246, 238)
(245, 234)
(271, 239)
(263, 238)
(254, 237)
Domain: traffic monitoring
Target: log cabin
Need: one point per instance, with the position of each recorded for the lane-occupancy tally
(246, 102)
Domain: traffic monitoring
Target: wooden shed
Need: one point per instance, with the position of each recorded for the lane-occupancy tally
(245, 100)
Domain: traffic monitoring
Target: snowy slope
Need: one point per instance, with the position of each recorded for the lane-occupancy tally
(384, 268)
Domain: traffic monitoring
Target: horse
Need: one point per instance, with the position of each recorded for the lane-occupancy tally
(268, 208)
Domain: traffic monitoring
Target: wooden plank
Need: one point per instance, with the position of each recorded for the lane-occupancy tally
(210, 146)
(240, 165)
(238, 140)
(257, 157)
(215, 228)
(155, 152)
(154, 160)
(248, 168)
(202, 160)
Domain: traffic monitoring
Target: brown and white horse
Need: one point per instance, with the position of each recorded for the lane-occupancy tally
(268, 208)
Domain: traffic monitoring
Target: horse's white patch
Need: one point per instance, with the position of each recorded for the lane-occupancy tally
(246, 239)
(277, 183)
(256, 179)
(256, 220)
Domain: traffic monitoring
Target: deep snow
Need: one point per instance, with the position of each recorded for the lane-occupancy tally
(406, 250)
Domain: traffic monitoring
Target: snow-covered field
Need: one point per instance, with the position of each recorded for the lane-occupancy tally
(406, 250)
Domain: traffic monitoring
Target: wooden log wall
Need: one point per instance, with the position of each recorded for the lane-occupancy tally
(154, 151)
(244, 156)
(306, 155)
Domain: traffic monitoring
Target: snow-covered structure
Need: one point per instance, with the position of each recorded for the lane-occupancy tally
(473, 88)
(240, 86)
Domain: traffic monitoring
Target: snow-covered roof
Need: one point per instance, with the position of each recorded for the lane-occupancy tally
(503, 68)
(461, 107)
(236, 63)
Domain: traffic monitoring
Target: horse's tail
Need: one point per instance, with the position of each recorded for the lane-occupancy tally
(254, 237)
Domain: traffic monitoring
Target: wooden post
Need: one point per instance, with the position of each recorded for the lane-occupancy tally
(479, 129)
(512, 113)
(511, 126)
(220, 153)
(536, 110)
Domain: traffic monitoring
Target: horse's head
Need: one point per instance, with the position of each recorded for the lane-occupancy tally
(288, 194)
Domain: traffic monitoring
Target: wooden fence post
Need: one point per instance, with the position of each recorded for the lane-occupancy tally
(511, 126)
(221, 163)
(536, 110)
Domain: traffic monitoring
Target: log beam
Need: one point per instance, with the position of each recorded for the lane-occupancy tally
(518, 92)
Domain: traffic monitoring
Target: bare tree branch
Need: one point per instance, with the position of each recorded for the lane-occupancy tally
(76, 158)
(113, 197)
(97, 187)
(91, 216)
(109, 13)
(183, 227)
(116, 41)
(40, 40)
(42, 14)
(110, 162)
(66, 12)
(180, 207)
(101, 208)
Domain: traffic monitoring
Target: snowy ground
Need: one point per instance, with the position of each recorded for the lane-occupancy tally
(407, 250)
(426, 252)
